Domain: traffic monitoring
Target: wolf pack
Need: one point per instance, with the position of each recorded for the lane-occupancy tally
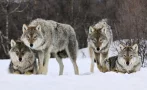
(41, 38)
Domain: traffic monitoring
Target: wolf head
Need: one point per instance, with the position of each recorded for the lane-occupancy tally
(97, 38)
(128, 55)
(19, 52)
(32, 36)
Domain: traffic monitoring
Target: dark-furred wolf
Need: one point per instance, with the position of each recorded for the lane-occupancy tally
(22, 59)
(99, 40)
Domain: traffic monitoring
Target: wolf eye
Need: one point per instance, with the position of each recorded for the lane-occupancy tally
(28, 37)
(17, 52)
(124, 55)
(22, 53)
(100, 40)
(94, 40)
(131, 56)
(35, 37)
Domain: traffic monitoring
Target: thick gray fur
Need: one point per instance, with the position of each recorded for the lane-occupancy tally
(28, 63)
(99, 52)
(56, 37)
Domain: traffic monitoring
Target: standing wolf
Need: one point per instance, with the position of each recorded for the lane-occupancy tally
(46, 37)
(22, 59)
(99, 40)
(127, 61)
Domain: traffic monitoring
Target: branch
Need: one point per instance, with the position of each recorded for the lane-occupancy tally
(5, 50)
(23, 9)
(15, 9)
(7, 3)
(4, 46)
(3, 9)
(2, 36)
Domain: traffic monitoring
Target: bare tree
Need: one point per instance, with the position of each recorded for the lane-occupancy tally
(8, 10)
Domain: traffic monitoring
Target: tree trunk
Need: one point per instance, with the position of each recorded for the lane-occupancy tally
(7, 26)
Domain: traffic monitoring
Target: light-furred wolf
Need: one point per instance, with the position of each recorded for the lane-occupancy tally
(22, 59)
(46, 37)
(127, 60)
(99, 40)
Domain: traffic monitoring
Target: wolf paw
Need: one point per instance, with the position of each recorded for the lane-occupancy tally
(28, 73)
(39, 71)
(16, 72)
(42, 71)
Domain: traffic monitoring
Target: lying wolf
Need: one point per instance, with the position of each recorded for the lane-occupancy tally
(22, 59)
(99, 40)
(127, 60)
(50, 37)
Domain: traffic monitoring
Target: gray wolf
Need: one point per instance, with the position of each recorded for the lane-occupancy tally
(22, 59)
(127, 61)
(50, 37)
(99, 40)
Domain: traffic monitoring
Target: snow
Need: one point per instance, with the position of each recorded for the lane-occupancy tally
(69, 81)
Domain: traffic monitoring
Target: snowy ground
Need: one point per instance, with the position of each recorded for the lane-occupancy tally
(69, 81)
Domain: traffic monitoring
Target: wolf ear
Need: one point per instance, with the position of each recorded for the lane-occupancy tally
(91, 29)
(135, 47)
(104, 30)
(13, 43)
(38, 28)
(24, 28)
(105, 21)
(121, 47)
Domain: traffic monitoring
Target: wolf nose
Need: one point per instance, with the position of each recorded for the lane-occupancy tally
(31, 45)
(98, 49)
(127, 63)
(94, 60)
(20, 59)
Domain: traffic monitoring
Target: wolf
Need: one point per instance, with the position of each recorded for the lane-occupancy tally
(22, 59)
(99, 40)
(127, 60)
(50, 37)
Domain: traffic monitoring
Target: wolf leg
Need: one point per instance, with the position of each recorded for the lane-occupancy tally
(40, 61)
(75, 67)
(72, 53)
(92, 60)
(61, 66)
(35, 68)
(76, 70)
(97, 58)
(46, 61)
(92, 66)
(103, 57)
